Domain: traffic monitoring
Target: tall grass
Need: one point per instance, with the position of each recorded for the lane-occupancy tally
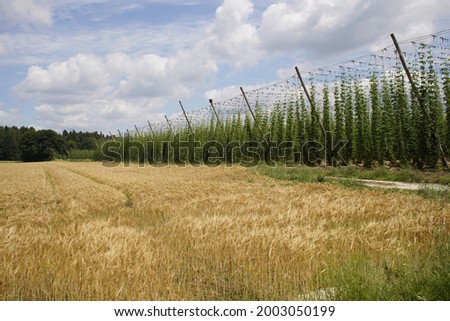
(424, 275)
(313, 174)
(80, 231)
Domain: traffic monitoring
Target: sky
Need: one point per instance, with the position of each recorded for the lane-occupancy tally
(103, 65)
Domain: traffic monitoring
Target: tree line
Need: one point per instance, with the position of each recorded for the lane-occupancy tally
(28, 144)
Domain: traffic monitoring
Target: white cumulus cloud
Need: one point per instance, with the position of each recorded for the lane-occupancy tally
(25, 13)
(125, 76)
(324, 28)
(90, 91)
(232, 38)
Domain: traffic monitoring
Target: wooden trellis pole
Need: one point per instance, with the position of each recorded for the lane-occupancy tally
(168, 123)
(112, 136)
(211, 103)
(316, 114)
(252, 113)
(185, 116)
(151, 129)
(137, 131)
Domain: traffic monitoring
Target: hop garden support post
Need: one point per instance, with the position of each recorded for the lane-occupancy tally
(310, 101)
(313, 106)
(185, 116)
(211, 103)
(168, 123)
(266, 142)
(151, 129)
(253, 114)
(137, 131)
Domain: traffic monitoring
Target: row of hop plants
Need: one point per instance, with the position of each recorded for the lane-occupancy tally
(371, 122)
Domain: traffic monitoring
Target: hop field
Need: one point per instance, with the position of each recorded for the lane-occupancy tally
(80, 231)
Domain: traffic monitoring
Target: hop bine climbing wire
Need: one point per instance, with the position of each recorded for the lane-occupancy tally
(390, 107)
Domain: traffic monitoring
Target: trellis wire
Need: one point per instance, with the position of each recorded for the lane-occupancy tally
(434, 48)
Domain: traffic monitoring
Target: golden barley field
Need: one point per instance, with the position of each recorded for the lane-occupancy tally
(80, 231)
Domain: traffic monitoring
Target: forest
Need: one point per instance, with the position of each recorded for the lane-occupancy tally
(29, 144)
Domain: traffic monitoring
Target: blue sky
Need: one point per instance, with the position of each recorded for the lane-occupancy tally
(107, 65)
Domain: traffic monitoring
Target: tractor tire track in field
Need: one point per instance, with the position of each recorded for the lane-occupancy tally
(129, 200)
(50, 180)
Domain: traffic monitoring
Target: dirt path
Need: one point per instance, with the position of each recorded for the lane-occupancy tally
(400, 185)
